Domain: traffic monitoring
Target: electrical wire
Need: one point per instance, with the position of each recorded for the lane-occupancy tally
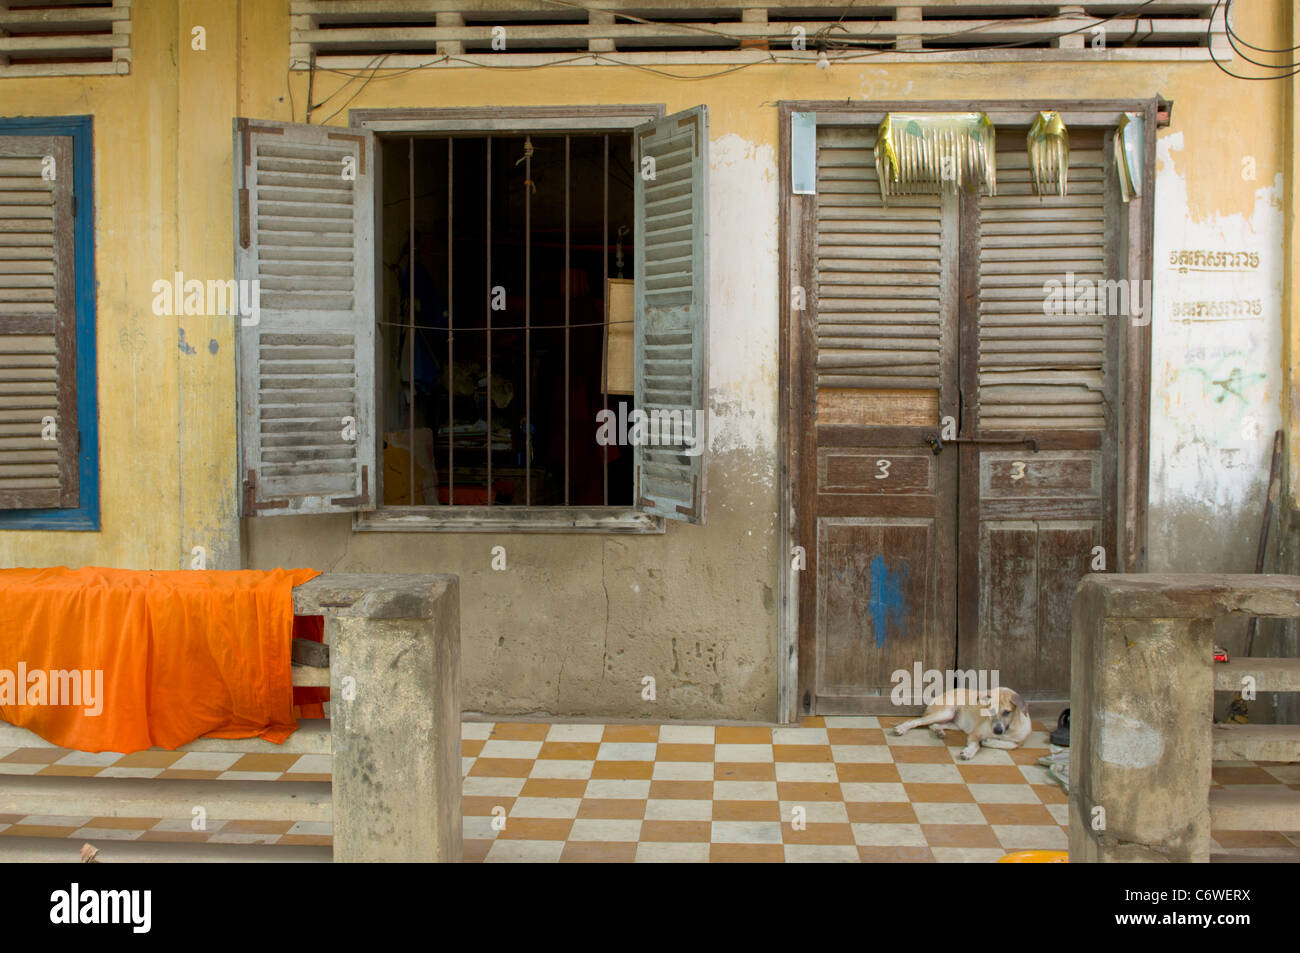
(359, 91)
(1233, 39)
(1227, 22)
(1209, 42)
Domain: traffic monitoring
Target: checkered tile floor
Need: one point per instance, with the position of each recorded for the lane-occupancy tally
(549, 792)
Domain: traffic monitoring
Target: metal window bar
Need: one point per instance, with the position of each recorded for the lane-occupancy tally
(451, 412)
(528, 329)
(568, 278)
(488, 266)
(411, 325)
(410, 312)
(604, 297)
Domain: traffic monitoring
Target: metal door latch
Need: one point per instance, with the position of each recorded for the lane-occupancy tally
(937, 445)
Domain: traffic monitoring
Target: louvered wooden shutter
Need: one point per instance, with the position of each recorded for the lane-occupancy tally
(1037, 370)
(39, 441)
(880, 273)
(305, 232)
(672, 289)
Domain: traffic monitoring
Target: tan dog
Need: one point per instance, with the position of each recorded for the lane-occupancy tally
(1004, 726)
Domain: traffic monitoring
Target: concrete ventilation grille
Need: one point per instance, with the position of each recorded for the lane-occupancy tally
(65, 38)
(356, 35)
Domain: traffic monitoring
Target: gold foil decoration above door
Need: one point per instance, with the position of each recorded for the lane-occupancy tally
(1049, 154)
(930, 153)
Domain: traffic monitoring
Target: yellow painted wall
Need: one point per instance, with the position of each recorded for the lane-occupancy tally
(136, 150)
(696, 605)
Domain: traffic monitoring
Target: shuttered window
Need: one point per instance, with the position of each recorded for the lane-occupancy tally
(1040, 365)
(305, 235)
(39, 437)
(307, 358)
(671, 335)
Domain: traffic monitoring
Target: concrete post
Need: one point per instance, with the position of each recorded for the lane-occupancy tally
(450, 47)
(395, 715)
(600, 18)
(1142, 696)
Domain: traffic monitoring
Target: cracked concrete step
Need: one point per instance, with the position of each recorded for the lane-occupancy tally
(1257, 743)
(28, 850)
(165, 798)
(1271, 674)
(312, 737)
(1245, 808)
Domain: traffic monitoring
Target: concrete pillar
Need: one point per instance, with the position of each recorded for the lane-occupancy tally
(395, 720)
(602, 19)
(903, 17)
(1075, 40)
(756, 16)
(1142, 695)
(450, 47)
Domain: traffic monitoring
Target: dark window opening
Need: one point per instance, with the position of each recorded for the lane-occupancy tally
(491, 346)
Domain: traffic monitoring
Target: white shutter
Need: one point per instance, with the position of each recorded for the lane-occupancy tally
(38, 356)
(305, 232)
(672, 290)
(1037, 370)
(879, 271)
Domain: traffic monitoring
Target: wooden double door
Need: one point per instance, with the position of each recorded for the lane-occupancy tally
(958, 467)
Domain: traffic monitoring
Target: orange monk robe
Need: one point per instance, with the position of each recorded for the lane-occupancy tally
(179, 654)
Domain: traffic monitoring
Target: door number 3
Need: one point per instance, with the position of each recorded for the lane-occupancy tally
(884, 469)
(1018, 470)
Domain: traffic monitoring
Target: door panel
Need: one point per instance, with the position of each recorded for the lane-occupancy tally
(1034, 365)
(882, 507)
(1028, 570)
(864, 471)
(877, 594)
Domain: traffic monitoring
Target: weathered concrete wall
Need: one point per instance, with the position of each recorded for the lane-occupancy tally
(575, 622)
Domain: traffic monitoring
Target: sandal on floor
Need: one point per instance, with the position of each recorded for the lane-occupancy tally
(1061, 736)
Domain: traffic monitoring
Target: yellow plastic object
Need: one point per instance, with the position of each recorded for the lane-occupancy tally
(1036, 857)
(1049, 153)
(927, 153)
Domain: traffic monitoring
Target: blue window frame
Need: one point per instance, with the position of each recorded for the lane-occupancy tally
(85, 516)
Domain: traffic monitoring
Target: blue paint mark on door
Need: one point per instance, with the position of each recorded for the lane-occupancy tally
(886, 602)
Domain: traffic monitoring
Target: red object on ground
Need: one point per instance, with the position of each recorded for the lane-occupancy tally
(1220, 654)
(161, 658)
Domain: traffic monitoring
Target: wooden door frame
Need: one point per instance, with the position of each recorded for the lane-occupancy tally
(796, 430)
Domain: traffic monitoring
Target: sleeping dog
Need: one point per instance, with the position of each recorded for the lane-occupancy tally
(1004, 725)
